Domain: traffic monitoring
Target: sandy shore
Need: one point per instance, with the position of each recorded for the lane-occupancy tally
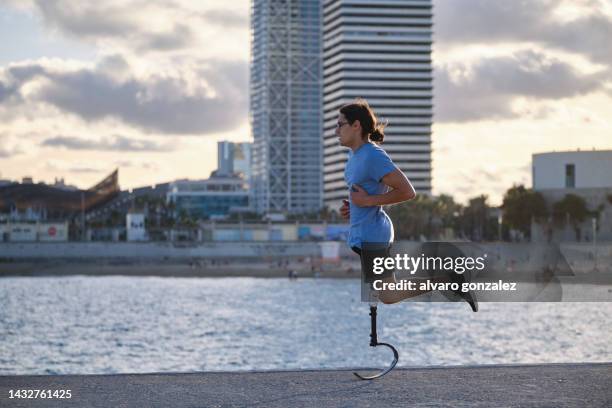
(178, 269)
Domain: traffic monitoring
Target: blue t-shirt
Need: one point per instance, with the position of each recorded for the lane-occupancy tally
(366, 167)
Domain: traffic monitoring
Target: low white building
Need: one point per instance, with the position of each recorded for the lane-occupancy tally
(53, 232)
(569, 170)
(587, 174)
(33, 232)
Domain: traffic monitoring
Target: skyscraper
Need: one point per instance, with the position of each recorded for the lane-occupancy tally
(379, 50)
(286, 105)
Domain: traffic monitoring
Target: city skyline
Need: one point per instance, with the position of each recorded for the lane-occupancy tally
(82, 92)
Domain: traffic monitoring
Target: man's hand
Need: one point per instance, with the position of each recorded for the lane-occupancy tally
(359, 196)
(345, 210)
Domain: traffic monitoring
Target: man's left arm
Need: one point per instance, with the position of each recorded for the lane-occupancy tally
(401, 190)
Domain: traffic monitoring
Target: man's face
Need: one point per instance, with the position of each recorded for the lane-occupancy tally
(347, 133)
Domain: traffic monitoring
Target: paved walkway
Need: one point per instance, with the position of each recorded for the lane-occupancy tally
(551, 385)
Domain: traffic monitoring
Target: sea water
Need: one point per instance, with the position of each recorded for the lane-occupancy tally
(84, 324)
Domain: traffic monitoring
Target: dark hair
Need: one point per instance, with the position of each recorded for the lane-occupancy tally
(361, 111)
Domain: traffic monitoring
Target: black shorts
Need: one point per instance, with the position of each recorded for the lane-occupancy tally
(368, 253)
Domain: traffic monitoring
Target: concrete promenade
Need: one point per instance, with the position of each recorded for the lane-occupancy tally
(547, 385)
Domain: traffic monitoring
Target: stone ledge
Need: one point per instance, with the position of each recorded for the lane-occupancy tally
(551, 385)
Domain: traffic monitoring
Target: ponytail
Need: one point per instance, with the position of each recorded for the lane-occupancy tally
(378, 134)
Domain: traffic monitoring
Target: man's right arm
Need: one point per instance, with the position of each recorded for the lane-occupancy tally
(345, 210)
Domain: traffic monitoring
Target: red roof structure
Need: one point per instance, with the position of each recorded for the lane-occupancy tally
(58, 203)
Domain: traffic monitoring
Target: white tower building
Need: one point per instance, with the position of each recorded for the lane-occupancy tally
(379, 50)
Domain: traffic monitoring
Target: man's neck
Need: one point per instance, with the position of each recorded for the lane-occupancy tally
(358, 144)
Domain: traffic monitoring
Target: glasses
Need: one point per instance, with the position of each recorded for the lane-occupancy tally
(340, 124)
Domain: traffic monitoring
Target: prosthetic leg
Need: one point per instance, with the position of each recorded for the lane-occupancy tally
(370, 295)
(374, 343)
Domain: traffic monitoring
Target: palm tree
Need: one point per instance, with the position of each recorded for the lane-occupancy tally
(521, 206)
(571, 209)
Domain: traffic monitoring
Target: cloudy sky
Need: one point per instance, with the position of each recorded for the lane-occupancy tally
(151, 86)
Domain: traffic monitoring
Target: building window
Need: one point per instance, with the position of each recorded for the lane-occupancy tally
(570, 176)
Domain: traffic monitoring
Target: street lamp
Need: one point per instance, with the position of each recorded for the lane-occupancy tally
(500, 219)
(594, 223)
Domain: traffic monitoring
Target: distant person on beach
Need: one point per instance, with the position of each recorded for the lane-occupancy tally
(373, 181)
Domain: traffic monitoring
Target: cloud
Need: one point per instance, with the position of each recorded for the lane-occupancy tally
(6, 151)
(115, 143)
(84, 169)
(489, 88)
(4, 92)
(144, 165)
(136, 25)
(226, 18)
(7, 91)
(180, 36)
(535, 21)
(478, 182)
(489, 175)
(75, 167)
(201, 98)
(130, 23)
(88, 19)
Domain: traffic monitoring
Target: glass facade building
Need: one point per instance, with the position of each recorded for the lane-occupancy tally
(285, 106)
(379, 50)
(234, 158)
(214, 197)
